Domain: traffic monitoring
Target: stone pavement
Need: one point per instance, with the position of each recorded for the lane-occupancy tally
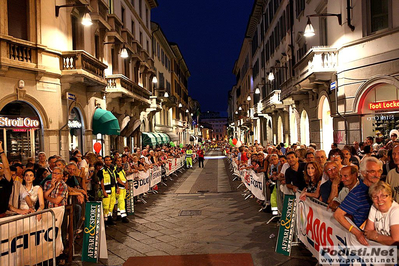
(199, 212)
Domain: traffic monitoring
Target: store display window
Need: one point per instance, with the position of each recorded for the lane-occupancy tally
(21, 131)
(380, 112)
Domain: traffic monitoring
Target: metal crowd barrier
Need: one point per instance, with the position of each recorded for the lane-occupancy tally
(21, 239)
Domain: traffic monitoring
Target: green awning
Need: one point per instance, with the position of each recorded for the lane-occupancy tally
(157, 137)
(160, 140)
(165, 138)
(104, 122)
(148, 139)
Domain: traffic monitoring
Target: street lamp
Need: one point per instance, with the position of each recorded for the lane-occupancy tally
(309, 30)
(180, 105)
(123, 51)
(248, 98)
(257, 90)
(155, 80)
(86, 19)
(271, 75)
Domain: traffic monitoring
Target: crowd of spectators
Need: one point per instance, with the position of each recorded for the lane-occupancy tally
(52, 182)
(359, 181)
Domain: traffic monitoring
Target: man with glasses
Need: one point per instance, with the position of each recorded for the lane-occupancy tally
(56, 190)
(357, 203)
(330, 189)
(393, 175)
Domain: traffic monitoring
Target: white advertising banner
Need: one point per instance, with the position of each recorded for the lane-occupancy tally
(142, 183)
(29, 241)
(319, 231)
(156, 176)
(256, 180)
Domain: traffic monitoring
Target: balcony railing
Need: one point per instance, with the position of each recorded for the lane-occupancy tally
(19, 53)
(321, 62)
(120, 83)
(80, 60)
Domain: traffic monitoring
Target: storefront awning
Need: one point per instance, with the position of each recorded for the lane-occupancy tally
(158, 138)
(130, 128)
(173, 137)
(159, 135)
(104, 122)
(148, 139)
(165, 138)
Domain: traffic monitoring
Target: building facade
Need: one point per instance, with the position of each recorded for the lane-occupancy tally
(341, 85)
(62, 82)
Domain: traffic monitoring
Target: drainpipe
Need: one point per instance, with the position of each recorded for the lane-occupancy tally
(348, 13)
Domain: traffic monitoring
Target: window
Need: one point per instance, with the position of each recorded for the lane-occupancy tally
(378, 17)
(97, 46)
(255, 42)
(132, 29)
(256, 69)
(299, 7)
(18, 18)
(123, 16)
(147, 16)
(141, 38)
(141, 8)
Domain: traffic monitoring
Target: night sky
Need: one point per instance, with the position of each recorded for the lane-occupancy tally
(209, 34)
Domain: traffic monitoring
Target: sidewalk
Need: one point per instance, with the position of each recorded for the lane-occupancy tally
(218, 221)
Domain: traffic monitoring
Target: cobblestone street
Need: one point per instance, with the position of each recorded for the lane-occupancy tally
(180, 220)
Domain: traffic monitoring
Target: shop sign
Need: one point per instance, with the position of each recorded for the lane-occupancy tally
(384, 105)
(333, 85)
(74, 124)
(381, 118)
(20, 122)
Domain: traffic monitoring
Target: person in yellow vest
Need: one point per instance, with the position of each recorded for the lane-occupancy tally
(123, 186)
(189, 155)
(109, 186)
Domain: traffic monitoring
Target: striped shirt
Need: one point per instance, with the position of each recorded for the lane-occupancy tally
(357, 203)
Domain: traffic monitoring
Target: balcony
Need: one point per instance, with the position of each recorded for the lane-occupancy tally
(116, 25)
(120, 86)
(272, 101)
(20, 54)
(318, 66)
(81, 67)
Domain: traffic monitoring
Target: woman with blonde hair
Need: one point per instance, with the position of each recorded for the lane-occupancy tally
(383, 221)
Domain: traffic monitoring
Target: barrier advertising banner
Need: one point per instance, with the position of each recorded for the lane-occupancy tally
(286, 228)
(156, 176)
(94, 239)
(330, 242)
(30, 241)
(130, 198)
(257, 185)
(142, 184)
(254, 182)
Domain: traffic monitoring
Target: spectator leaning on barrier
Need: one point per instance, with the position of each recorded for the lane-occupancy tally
(294, 174)
(330, 188)
(383, 221)
(393, 175)
(357, 203)
(55, 190)
(349, 178)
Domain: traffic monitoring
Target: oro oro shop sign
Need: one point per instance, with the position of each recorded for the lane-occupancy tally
(384, 105)
(20, 122)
